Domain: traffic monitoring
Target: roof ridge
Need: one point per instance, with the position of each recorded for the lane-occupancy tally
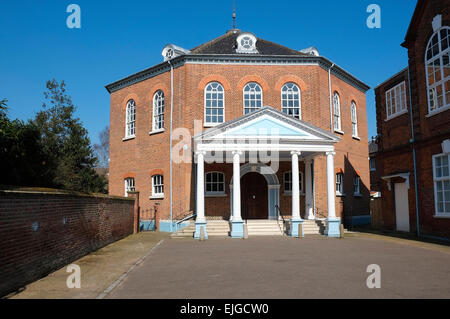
(210, 42)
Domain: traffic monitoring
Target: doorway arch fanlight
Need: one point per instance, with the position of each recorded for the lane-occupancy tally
(273, 186)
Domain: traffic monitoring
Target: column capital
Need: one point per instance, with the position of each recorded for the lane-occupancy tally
(237, 152)
(330, 153)
(197, 153)
(308, 161)
(296, 153)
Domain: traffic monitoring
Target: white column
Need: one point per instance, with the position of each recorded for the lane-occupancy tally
(237, 186)
(295, 187)
(308, 190)
(331, 185)
(200, 187)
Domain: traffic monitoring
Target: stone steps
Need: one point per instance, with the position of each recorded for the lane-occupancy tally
(255, 228)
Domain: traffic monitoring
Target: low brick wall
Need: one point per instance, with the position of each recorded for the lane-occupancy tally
(42, 231)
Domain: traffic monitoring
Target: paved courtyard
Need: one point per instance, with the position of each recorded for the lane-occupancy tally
(315, 267)
(151, 265)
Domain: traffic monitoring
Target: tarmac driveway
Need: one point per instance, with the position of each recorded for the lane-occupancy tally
(275, 267)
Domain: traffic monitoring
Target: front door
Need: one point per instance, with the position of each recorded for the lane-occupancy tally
(254, 198)
(401, 206)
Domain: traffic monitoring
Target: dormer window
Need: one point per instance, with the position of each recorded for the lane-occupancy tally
(246, 43)
(172, 51)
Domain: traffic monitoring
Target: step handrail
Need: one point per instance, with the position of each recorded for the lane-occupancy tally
(282, 218)
(177, 224)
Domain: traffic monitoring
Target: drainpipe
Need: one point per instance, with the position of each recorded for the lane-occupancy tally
(331, 98)
(413, 141)
(170, 143)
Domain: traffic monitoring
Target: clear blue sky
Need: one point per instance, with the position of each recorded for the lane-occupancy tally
(119, 38)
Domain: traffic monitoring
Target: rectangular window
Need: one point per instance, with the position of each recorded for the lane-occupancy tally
(129, 186)
(396, 100)
(356, 184)
(339, 184)
(288, 182)
(441, 176)
(373, 164)
(215, 183)
(158, 185)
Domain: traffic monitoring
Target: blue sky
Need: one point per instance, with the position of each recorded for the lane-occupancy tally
(119, 38)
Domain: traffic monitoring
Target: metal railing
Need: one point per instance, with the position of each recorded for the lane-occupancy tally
(177, 224)
(282, 219)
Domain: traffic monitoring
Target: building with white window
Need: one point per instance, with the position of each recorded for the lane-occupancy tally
(262, 135)
(413, 121)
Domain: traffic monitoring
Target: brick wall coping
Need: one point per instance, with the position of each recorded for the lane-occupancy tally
(51, 191)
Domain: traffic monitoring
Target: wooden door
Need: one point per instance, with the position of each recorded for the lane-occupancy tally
(254, 198)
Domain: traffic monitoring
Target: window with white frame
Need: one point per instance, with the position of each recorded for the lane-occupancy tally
(130, 130)
(129, 186)
(441, 176)
(356, 184)
(437, 67)
(288, 182)
(337, 111)
(253, 97)
(396, 100)
(354, 120)
(214, 104)
(339, 184)
(157, 186)
(215, 183)
(290, 100)
(158, 111)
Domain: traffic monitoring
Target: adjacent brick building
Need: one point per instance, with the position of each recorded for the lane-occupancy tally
(413, 122)
(223, 82)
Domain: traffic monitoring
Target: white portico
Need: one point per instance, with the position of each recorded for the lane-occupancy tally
(257, 143)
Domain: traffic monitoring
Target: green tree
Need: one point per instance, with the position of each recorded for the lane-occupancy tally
(66, 142)
(22, 160)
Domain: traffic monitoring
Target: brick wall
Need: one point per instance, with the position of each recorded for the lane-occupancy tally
(149, 152)
(41, 232)
(396, 148)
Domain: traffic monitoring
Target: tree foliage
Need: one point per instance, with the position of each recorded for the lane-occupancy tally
(102, 148)
(53, 150)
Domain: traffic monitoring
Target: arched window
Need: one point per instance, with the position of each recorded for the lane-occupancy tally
(337, 111)
(215, 183)
(214, 104)
(130, 130)
(290, 100)
(438, 70)
(354, 120)
(129, 185)
(253, 97)
(158, 111)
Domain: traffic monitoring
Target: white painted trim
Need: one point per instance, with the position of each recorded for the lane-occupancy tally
(158, 196)
(243, 97)
(300, 99)
(207, 124)
(156, 132)
(436, 179)
(398, 100)
(443, 79)
(437, 111)
(129, 138)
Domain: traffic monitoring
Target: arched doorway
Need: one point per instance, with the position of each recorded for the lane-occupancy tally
(254, 196)
(272, 187)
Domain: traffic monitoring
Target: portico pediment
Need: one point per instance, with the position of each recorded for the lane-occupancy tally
(267, 124)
